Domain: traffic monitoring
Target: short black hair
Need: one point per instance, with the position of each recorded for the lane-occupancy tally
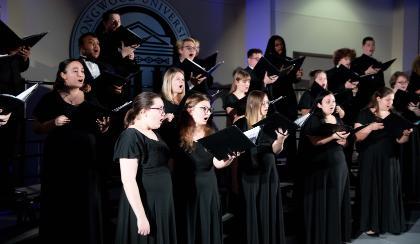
(83, 36)
(366, 39)
(107, 14)
(252, 51)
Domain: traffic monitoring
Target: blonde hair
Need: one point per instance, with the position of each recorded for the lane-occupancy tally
(253, 107)
(239, 74)
(167, 85)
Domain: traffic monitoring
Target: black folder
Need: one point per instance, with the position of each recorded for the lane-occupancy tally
(296, 63)
(9, 39)
(404, 98)
(129, 37)
(117, 79)
(384, 66)
(208, 62)
(396, 124)
(225, 142)
(9, 103)
(328, 129)
(190, 66)
(274, 121)
(264, 65)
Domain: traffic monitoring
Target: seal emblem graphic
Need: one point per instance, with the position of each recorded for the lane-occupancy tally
(155, 18)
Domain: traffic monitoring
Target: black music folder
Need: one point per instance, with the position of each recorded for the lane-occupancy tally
(274, 121)
(9, 39)
(296, 63)
(396, 124)
(129, 37)
(404, 98)
(9, 103)
(264, 65)
(384, 66)
(190, 66)
(225, 142)
(208, 62)
(328, 129)
(117, 79)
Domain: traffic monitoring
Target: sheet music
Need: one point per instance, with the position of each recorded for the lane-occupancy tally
(26, 93)
(252, 134)
(302, 119)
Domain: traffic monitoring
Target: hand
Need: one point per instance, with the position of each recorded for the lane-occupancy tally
(342, 142)
(371, 70)
(299, 74)
(169, 117)
(143, 226)
(196, 80)
(61, 120)
(376, 126)
(117, 89)
(412, 107)
(339, 110)
(231, 157)
(340, 135)
(269, 79)
(127, 51)
(103, 124)
(86, 88)
(24, 52)
(4, 118)
(407, 132)
(281, 135)
(349, 85)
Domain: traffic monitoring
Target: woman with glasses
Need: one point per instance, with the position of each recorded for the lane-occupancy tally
(204, 220)
(406, 103)
(146, 210)
(260, 181)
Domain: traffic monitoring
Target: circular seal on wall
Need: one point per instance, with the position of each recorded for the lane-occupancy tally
(156, 19)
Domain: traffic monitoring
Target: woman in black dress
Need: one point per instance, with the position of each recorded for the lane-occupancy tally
(260, 181)
(235, 102)
(380, 181)
(406, 103)
(146, 211)
(70, 196)
(276, 52)
(325, 181)
(204, 220)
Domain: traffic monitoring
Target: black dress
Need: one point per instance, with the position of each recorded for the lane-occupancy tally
(155, 186)
(325, 186)
(381, 198)
(238, 105)
(70, 196)
(410, 151)
(204, 220)
(261, 191)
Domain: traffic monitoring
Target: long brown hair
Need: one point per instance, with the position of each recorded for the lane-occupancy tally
(381, 93)
(142, 101)
(253, 107)
(187, 124)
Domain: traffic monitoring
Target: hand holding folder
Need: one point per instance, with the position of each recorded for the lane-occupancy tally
(226, 142)
(9, 103)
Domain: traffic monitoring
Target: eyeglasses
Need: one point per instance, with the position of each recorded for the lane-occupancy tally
(190, 48)
(205, 109)
(161, 109)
